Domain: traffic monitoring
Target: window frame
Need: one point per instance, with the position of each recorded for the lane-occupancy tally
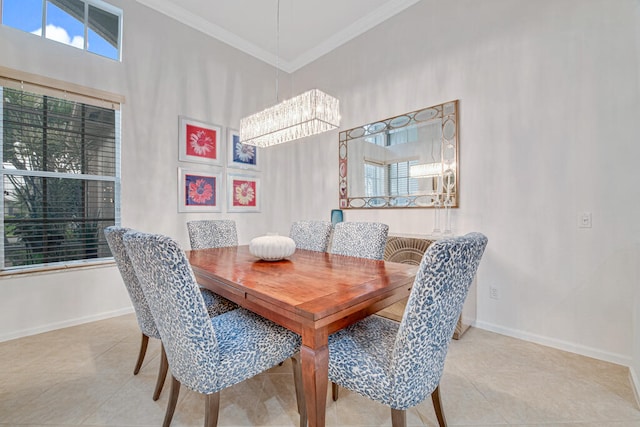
(56, 88)
(99, 4)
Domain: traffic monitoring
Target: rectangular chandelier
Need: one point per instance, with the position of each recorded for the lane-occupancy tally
(307, 114)
(425, 170)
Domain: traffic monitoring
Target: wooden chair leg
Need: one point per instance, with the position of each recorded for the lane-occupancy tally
(334, 391)
(297, 378)
(437, 405)
(171, 404)
(162, 373)
(212, 409)
(398, 418)
(143, 351)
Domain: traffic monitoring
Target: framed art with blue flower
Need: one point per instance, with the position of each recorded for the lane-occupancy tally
(198, 191)
(199, 141)
(242, 156)
(243, 193)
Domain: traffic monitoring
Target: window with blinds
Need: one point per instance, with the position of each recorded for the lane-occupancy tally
(374, 179)
(400, 181)
(391, 178)
(60, 179)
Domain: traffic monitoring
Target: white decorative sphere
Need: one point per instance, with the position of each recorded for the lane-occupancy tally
(272, 248)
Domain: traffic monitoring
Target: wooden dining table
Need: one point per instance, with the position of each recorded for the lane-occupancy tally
(310, 293)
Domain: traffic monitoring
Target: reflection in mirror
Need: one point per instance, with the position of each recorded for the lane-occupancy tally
(407, 161)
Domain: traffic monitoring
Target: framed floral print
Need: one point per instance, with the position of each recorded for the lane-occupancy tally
(198, 191)
(199, 142)
(243, 193)
(243, 156)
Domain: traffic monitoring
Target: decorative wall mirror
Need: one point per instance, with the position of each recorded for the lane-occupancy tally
(406, 161)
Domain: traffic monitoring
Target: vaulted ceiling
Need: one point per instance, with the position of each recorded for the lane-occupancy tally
(288, 34)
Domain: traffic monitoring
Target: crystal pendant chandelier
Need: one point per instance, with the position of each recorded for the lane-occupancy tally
(425, 170)
(307, 114)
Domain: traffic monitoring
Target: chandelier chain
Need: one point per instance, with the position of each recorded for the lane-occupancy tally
(277, 49)
(307, 114)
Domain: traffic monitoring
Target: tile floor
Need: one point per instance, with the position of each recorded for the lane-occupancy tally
(83, 376)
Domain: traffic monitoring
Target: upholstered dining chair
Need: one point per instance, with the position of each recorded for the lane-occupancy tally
(359, 239)
(214, 303)
(311, 235)
(212, 233)
(400, 364)
(205, 354)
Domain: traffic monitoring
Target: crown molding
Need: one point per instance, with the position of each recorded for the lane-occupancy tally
(362, 25)
(354, 30)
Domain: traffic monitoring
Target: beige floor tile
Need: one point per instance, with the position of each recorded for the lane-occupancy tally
(355, 410)
(69, 401)
(462, 402)
(131, 404)
(84, 376)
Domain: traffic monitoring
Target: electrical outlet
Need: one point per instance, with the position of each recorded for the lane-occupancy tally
(494, 293)
(584, 220)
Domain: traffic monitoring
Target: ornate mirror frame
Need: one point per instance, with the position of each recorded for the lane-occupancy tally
(441, 176)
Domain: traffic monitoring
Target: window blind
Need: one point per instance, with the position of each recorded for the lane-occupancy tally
(60, 178)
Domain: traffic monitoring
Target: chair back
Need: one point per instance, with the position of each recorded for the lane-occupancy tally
(178, 308)
(446, 271)
(212, 233)
(147, 325)
(311, 235)
(360, 239)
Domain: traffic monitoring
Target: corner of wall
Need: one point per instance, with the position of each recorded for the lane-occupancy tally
(635, 385)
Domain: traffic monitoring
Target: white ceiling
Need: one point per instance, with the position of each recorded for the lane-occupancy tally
(308, 29)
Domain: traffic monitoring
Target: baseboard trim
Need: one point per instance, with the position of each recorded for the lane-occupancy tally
(64, 324)
(635, 384)
(595, 353)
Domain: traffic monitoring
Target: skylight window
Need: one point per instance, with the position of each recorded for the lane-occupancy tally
(91, 25)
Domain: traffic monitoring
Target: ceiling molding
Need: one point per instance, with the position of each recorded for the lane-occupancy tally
(172, 10)
(358, 27)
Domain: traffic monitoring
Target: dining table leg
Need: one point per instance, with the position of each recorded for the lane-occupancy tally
(315, 373)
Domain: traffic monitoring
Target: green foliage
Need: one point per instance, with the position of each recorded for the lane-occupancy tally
(51, 219)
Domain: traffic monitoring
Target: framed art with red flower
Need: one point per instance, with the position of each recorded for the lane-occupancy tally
(199, 141)
(243, 193)
(198, 191)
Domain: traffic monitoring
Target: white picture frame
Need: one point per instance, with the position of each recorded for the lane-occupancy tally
(199, 142)
(239, 155)
(199, 191)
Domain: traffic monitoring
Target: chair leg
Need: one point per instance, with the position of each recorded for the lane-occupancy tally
(334, 391)
(143, 351)
(297, 379)
(212, 409)
(171, 404)
(437, 405)
(398, 418)
(162, 373)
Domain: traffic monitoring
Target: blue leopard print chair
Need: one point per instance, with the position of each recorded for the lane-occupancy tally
(205, 354)
(214, 303)
(400, 364)
(212, 233)
(360, 239)
(311, 235)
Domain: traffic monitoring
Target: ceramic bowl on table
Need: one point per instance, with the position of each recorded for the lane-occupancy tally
(272, 247)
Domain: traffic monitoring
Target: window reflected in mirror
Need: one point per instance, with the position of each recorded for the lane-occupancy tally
(401, 162)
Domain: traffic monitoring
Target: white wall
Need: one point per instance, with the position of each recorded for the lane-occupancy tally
(635, 367)
(549, 107)
(167, 70)
(549, 100)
